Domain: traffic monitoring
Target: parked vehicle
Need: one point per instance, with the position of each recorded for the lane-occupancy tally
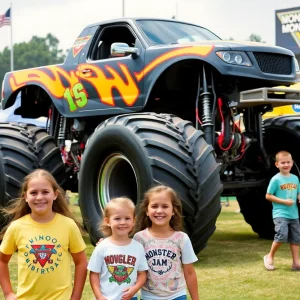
(293, 109)
(11, 115)
(149, 101)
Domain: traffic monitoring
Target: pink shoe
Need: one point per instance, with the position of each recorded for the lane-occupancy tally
(269, 267)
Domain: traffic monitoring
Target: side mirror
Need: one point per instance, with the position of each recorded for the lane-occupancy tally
(122, 49)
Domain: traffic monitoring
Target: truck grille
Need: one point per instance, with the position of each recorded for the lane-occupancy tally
(274, 63)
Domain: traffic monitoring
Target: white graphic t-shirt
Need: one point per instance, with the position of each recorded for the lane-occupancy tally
(165, 256)
(118, 266)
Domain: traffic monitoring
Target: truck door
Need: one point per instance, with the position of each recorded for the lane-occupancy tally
(110, 82)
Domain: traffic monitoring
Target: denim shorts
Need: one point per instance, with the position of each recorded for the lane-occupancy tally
(287, 231)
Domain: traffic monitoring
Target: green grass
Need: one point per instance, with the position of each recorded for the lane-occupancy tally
(231, 267)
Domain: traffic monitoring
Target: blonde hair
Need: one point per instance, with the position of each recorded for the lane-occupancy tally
(143, 221)
(18, 207)
(283, 153)
(120, 201)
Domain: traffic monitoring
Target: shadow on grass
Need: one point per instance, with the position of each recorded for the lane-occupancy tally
(233, 243)
(235, 236)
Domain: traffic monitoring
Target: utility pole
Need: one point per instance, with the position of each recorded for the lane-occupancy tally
(11, 42)
(175, 17)
(123, 8)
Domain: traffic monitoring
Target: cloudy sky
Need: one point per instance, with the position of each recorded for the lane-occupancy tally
(66, 18)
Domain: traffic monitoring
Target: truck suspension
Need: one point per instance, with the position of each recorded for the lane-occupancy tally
(207, 123)
(62, 131)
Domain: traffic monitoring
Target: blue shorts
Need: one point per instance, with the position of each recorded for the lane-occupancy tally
(287, 231)
(178, 298)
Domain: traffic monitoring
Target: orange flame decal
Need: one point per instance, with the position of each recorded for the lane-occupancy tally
(52, 83)
(191, 50)
(56, 80)
(104, 86)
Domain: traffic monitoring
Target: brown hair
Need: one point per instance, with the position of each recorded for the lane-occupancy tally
(18, 207)
(120, 201)
(143, 221)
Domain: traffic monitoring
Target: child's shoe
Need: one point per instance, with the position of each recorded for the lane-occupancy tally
(295, 268)
(268, 266)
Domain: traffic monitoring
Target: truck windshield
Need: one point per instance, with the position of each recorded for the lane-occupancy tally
(169, 32)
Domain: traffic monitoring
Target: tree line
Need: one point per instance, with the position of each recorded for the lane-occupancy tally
(39, 51)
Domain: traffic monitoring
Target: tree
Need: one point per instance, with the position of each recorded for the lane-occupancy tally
(255, 38)
(37, 52)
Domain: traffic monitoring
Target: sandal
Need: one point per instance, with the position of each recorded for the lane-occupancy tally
(296, 268)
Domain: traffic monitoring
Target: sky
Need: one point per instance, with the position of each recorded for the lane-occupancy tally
(65, 19)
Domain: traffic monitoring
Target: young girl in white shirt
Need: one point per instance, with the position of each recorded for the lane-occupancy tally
(118, 264)
(169, 251)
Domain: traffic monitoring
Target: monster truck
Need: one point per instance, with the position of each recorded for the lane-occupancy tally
(151, 101)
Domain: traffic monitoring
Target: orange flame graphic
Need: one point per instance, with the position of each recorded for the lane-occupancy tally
(104, 86)
(51, 83)
(192, 50)
(56, 80)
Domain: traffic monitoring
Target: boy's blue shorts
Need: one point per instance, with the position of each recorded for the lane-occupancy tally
(287, 231)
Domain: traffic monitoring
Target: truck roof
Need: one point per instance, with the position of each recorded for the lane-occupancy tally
(132, 20)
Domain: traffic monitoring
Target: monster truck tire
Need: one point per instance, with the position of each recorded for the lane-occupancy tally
(24, 148)
(281, 133)
(128, 154)
(257, 212)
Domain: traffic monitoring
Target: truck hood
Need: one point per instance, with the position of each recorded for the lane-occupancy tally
(246, 46)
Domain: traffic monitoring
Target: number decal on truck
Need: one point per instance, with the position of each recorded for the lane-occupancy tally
(76, 97)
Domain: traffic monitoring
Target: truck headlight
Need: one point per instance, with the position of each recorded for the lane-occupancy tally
(235, 58)
(297, 69)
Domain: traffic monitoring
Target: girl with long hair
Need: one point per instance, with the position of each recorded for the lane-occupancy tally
(47, 237)
(168, 250)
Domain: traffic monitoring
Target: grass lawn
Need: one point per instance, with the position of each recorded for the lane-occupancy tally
(231, 267)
